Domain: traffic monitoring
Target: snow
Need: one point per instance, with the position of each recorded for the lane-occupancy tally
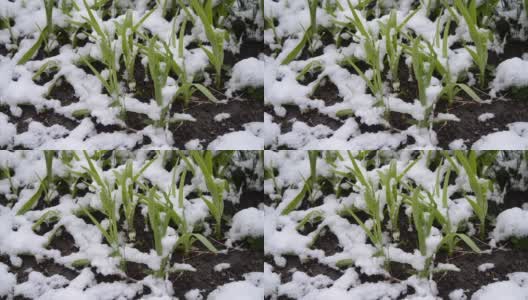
(512, 222)
(486, 116)
(515, 138)
(222, 266)
(246, 73)
(7, 281)
(222, 116)
(239, 140)
(238, 290)
(486, 266)
(246, 223)
(510, 73)
(507, 290)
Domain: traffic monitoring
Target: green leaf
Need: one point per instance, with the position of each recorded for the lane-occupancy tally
(470, 92)
(469, 242)
(205, 242)
(295, 201)
(33, 50)
(33, 200)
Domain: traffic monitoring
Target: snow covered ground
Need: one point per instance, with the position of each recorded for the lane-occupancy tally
(316, 250)
(318, 86)
(55, 101)
(52, 250)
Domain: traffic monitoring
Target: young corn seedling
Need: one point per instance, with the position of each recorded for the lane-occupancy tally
(127, 182)
(46, 185)
(372, 52)
(186, 236)
(373, 205)
(45, 35)
(423, 221)
(215, 36)
(391, 33)
(479, 187)
(109, 206)
(108, 52)
(390, 181)
(126, 31)
(309, 34)
(442, 216)
(215, 187)
(309, 188)
(159, 68)
(423, 66)
(479, 36)
(451, 87)
(186, 87)
(159, 223)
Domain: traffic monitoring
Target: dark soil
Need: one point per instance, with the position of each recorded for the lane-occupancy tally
(206, 279)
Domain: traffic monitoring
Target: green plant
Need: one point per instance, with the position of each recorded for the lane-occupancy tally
(126, 31)
(373, 205)
(186, 87)
(308, 35)
(450, 86)
(186, 236)
(159, 222)
(479, 36)
(127, 182)
(423, 223)
(45, 185)
(108, 206)
(423, 67)
(45, 34)
(451, 236)
(479, 187)
(391, 183)
(109, 59)
(372, 52)
(391, 33)
(215, 36)
(159, 68)
(215, 187)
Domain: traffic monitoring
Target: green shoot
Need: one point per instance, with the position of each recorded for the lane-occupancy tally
(423, 67)
(308, 34)
(215, 187)
(44, 36)
(159, 68)
(390, 31)
(215, 36)
(126, 181)
(108, 203)
(159, 222)
(479, 187)
(111, 82)
(480, 37)
(126, 32)
(372, 51)
(373, 205)
(423, 223)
